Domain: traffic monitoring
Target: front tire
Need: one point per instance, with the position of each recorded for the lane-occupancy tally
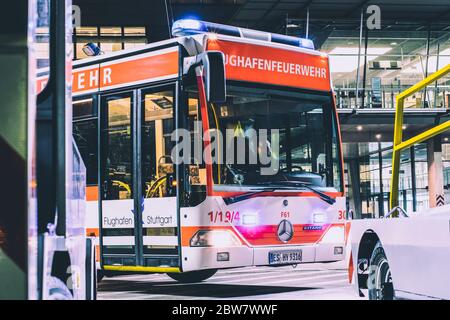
(99, 276)
(193, 276)
(380, 282)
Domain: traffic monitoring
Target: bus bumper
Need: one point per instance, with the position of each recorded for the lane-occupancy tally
(195, 258)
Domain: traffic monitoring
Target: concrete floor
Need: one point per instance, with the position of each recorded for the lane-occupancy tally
(310, 281)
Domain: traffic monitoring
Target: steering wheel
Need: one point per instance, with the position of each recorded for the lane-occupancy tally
(238, 175)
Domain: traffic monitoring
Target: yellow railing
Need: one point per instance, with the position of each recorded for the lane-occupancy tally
(143, 269)
(399, 144)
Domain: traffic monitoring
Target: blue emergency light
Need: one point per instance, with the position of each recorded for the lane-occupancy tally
(189, 27)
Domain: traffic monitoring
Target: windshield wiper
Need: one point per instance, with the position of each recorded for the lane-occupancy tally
(271, 187)
(248, 195)
(323, 196)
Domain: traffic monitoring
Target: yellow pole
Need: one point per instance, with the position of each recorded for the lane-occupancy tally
(398, 144)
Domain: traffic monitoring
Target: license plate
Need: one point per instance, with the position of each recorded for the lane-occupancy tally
(285, 257)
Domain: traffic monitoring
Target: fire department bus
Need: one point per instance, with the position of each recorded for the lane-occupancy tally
(153, 213)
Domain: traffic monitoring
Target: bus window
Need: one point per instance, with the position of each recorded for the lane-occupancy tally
(196, 170)
(84, 108)
(85, 134)
(308, 145)
(157, 167)
(118, 182)
(158, 125)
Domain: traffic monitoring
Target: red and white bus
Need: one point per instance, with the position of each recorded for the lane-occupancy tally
(153, 213)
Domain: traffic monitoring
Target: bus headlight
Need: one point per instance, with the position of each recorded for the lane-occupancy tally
(249, 219)
(214, 238)
(319, 218)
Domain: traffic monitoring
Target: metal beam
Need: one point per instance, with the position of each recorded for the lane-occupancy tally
(358, 7)
(302, 8)
(439, 16)
(297, 12)
(238, 10)
(266, 13)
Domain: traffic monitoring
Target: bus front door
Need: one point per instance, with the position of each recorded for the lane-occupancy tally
(117, 218)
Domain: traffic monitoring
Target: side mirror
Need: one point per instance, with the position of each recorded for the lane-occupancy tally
(214, 75)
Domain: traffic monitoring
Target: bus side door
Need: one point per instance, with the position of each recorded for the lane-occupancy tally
(157, 173)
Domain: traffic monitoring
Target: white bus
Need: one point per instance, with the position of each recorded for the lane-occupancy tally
(154, 214)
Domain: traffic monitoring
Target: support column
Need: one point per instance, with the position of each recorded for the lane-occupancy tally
(380, 176)
(435, 172)
(354, 192)
(412, 153)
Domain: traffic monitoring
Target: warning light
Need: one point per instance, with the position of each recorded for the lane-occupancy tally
(190, 27)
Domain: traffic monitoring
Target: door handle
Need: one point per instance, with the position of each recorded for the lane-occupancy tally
(105, 188)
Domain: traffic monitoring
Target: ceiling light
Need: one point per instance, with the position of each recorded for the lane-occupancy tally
(393, 43)
(163, 103)
(344, 59)
(378, 136)
(445, 139)
(404, 127)
(444, 59)
(359, 128)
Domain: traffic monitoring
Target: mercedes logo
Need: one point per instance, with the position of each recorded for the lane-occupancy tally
(285, 231)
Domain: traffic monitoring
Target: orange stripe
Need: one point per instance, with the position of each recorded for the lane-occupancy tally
(139, 69)
(350, 268)
(97, 253)
(101, 77)
(92, 193)
(348, 225)
(92, 232)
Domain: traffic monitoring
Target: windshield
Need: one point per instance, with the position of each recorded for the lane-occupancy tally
(296, 130)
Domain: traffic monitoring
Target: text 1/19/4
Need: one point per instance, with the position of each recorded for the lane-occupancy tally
(219, 216)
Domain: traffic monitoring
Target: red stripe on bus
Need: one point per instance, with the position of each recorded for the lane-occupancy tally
(262, 235)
